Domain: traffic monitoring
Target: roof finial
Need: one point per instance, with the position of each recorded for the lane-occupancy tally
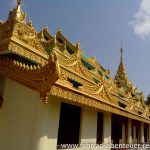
(19, 2)
(59, 30)
(121, 51)
(18, 10)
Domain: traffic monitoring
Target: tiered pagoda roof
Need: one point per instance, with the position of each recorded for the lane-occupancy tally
(53, 65)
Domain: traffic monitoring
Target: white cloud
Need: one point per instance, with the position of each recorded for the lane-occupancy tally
(141, 21)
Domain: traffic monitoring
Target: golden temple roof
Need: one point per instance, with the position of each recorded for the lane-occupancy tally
(51, 64)
(18, 34)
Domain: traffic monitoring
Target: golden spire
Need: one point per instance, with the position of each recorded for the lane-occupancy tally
(121, 77)
(121, 70)
(17, 14)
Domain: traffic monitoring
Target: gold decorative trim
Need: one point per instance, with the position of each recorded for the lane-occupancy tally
(17, 30)
(39, 78)
(22, 51)
(19, 36)
(74, 97)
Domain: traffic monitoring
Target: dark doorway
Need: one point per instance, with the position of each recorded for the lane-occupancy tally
(69, 124)
(1, 101)
(117, 129)
(116, 133)
(2, 81)
(145, 134)
(99, 128)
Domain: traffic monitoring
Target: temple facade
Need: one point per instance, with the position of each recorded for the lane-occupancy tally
(52, 95)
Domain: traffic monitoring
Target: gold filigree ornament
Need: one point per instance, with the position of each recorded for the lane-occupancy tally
(21, 33)
(36, 77)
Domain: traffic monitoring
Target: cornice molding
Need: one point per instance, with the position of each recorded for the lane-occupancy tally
(72, 96)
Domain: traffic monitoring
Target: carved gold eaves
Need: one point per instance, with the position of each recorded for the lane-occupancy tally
(68, 73)
(108, 88)
(73, 63)
(17, 47)
(39, 78)
(74, 97)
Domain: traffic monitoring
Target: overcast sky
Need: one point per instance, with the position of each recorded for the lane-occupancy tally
(99, 26)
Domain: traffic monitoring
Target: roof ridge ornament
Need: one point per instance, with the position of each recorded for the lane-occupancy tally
(19, 12)
(19, 2)
(121, 52)
(16, 27)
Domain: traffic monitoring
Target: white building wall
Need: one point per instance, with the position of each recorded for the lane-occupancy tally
(142, 132)
(107, 128)
(129, 131)
(26, 123)
(89, 126)
(46, 125)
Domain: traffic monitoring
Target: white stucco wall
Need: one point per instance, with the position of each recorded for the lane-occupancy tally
(142, 132)
(26, 123)
(129, 131)
(88, 126)
(107, 128)
(46, 125)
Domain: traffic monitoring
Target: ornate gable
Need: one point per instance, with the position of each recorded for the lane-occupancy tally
(20, 37)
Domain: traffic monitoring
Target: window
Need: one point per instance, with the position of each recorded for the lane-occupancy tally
(87, 64)
(75, 83)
